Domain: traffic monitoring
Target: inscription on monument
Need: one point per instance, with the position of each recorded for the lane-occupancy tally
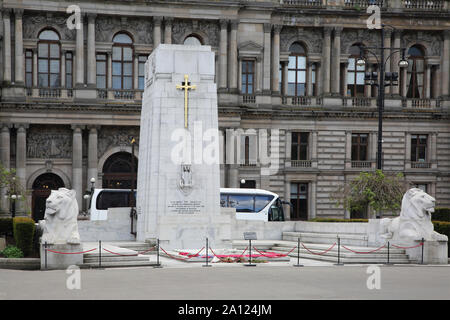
(185, 206)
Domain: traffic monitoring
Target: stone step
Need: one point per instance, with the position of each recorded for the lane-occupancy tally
(140, 247)
(112, 264)
(319, 237)
(343, 253)
(110, 258)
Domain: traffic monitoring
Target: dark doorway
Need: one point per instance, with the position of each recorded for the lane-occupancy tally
(42, 187)
(299, 201)
(119, 172)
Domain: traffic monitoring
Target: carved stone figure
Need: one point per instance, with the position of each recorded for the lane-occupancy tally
(414, 222)
(60, 224)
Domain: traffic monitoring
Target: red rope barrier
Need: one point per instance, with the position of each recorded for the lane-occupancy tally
(71, 252)
(321, 252)
(122, 255)
(279, 254)
(182, 259)
(363, 252)
(420, 244)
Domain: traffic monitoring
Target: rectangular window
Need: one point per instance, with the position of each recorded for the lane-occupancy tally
(359, 146)
(69, 69)
(313, 79)
(141, 72)
(248, 76)
(28, 68)
(299, 146)
(419, 147)
(101, 70)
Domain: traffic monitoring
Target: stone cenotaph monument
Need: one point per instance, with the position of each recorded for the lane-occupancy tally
(178, 189)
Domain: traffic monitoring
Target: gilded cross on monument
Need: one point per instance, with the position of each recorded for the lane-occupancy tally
(186, 87)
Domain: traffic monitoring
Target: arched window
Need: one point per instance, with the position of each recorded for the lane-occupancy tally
(297, 70)
(49, 59)
(119, 172)
(192, 40)
(122, 62)
(415, 74)
(355, 74)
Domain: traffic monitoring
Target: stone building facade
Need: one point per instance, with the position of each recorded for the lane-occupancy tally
(286, 74)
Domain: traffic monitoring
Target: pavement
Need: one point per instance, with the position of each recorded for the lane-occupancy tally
(178, 280)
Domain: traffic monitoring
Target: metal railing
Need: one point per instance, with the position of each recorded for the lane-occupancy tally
(301, 163)
(361, 164)
(432, 5)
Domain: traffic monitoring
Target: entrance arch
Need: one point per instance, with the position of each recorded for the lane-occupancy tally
(119, 172)
(42, 187)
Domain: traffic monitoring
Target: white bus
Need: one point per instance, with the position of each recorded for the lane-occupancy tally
(250, 204)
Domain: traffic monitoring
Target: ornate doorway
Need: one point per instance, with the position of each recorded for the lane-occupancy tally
(119, 172)
(42, 187)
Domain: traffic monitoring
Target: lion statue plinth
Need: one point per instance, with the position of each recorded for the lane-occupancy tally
(414, 222)
(60, 224)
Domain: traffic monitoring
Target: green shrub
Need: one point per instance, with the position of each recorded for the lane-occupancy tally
(24, 229)
(337, 220)
(441, 214)
(12, 252)
(6, 226)
(443, 227)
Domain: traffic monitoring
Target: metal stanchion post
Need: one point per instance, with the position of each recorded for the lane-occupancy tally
(250, 256)
(422, 248)
(339, 253)
(388, 253)
(158, 265)
(298, 254)
(99, 254)
(45, 247)
(207, 258)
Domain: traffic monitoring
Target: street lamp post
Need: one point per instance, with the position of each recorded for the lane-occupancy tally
(392, 79)
(132, 197)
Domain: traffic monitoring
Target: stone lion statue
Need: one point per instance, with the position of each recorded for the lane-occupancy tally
(60, 224)
(414, 222)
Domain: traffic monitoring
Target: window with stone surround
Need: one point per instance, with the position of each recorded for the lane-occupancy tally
(297, 70)
(419, 146)
(415, 73)
(248, 76)
(69, 69)
(359, 146)
(49, 59)
(101, 70)
(28, 68)
(122, 62)
(355, 74)
(299, 146)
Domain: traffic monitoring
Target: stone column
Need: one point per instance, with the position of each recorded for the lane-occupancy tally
(77, 168)
(287, 197)
(63, 68)
(445, 64)
(5, 147)
(91, 63)
(396, 59)
(336, 66)
(233, 65)
(319, 82)
(326, 51)
(92, 155)
(168, 30)
(79, 55)
(276, 59)
(35, 67)
(18, 39)
(7, 45)
(223, 54)
(435, 75)
(266, 59)
(258, 79)
(309, 86)
(21, 162)
(387, 52)
(428, 81)
(156, 31)
(404, 73)
(136, 71)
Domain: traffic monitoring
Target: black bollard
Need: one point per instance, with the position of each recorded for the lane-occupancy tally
(158, 265)
(298, 254)
(339, 253)
(206, 265)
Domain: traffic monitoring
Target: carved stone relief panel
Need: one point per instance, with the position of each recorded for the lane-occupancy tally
(49, 142)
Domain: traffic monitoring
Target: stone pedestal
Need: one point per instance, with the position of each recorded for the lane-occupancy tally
(57, 261)
(434, 252)
(178, 175)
